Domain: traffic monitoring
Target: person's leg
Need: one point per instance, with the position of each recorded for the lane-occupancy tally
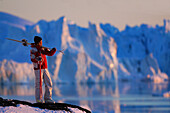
(38, 96)
(48, 87)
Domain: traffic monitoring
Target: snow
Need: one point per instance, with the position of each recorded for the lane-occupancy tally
(17, 106)
(99, 53)
(27, 109)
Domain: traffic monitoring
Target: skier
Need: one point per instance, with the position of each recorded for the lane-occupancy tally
(38, 57)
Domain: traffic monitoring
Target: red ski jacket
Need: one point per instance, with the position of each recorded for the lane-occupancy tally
(37, 52)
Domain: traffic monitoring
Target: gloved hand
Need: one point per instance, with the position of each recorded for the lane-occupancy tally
(54, 49)
(24, 42)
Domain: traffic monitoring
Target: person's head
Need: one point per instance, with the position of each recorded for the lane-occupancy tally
(38, 40)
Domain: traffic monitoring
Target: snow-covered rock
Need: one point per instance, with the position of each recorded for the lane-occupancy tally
(27, 109)
(99, 53)
(18, 106)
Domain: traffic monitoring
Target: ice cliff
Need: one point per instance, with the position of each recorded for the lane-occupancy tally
(99, 53)
(13, 72)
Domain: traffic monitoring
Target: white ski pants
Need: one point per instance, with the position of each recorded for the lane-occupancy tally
(45, 76)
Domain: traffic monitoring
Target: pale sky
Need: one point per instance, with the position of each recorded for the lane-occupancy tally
(116, 12)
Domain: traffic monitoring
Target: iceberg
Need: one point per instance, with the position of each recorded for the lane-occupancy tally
(14, 72)
(98, 53)
(141, 69)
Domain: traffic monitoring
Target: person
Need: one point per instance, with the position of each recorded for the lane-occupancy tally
(38, 57)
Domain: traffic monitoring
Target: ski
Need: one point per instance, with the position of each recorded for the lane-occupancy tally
(25, 43)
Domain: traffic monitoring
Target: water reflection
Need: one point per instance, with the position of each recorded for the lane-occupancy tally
(98, 97)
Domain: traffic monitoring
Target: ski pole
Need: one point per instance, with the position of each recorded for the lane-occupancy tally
(39, 62)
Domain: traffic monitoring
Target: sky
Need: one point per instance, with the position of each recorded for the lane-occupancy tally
(116, 12)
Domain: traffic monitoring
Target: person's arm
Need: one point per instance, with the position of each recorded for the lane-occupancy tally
(49, 52)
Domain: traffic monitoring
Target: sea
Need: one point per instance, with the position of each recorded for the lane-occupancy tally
(116, 97)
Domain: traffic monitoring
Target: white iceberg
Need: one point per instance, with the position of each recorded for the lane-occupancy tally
(99, 53)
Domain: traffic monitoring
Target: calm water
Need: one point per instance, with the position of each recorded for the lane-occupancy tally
(124, 97)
